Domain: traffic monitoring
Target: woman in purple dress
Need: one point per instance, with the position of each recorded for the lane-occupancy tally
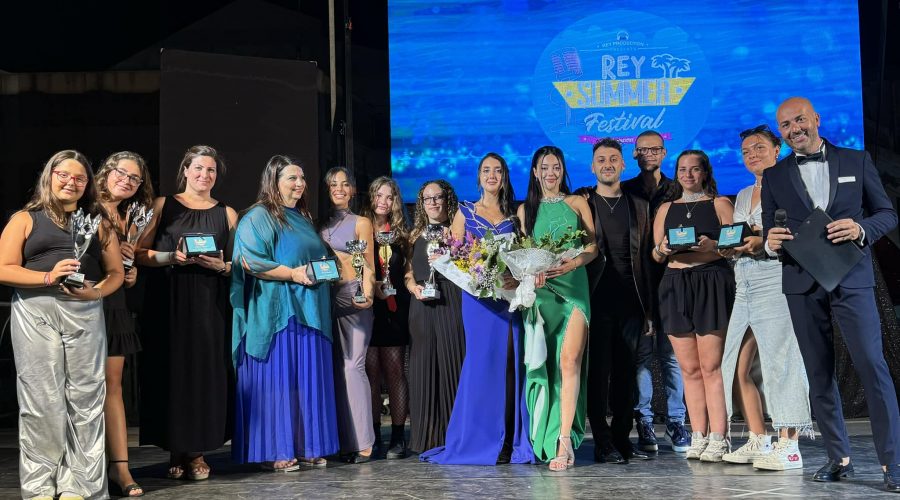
(482, 432)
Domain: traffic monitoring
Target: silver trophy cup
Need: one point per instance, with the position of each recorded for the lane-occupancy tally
(83, 227)
(356, 248)
(433, 234)
(139, 218)
(386, 239)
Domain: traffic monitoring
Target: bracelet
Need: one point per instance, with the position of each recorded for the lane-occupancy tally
(659, 252)
(99, 295)
(47, 280)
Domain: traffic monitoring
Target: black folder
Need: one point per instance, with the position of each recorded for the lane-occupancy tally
(827, 262)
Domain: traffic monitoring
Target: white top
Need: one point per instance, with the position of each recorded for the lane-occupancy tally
(743, 212)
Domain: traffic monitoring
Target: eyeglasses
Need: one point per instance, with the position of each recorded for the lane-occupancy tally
(133, 179)
(433, 200)
(655, 150)
(755, 130)
(80, 180)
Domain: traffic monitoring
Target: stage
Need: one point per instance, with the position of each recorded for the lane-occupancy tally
(669, 476)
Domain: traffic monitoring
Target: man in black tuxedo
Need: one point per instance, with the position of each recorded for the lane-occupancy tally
(845, 184)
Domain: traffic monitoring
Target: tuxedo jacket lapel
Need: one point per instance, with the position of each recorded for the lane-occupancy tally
(797, 181)
(834, 169)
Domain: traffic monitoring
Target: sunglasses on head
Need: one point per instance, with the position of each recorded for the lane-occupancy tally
(755, 130)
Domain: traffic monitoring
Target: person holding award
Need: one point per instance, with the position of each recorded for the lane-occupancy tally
(185, 332)
(695, 296)
(436, 335)
(285, 412)
(125, 192)
(350, 237)
(390, 334)
(489, 424)
(757, 329)
(845, 185)
(555, 390)
(61, 262)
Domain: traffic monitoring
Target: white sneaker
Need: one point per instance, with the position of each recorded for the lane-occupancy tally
(718, 446)
(785, 456)
(698, 444)
(758, 446)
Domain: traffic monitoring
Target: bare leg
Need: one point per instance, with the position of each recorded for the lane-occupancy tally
(710, 347)
(570, 357)
(685, 347)
(116, 428)
(746, 390)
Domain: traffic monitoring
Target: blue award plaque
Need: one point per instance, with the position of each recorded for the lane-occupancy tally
(682, 237)
(324, 269)
(195, 244)
(732, 235)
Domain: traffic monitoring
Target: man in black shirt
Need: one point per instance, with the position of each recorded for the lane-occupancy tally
(653, 186)
(621, 304)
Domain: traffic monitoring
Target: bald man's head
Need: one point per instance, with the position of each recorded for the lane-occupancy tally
(798, 124)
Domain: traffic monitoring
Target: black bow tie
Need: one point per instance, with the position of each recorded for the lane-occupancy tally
(813, 157)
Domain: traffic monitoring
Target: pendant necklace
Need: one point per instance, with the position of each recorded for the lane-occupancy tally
(692, 197)
(612, 208)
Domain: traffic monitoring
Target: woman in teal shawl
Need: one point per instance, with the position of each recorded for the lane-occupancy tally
(284, 408)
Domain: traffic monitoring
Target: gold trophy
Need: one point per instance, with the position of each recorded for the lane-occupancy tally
(386, 239)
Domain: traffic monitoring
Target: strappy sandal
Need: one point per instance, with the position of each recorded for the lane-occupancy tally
(124, 491)
(195, 468)
(176, 471)
(565, 461)
(291, 466)
(313, 462)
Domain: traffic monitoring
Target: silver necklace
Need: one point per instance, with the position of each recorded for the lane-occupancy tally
(612, 208)
(554, 199)
(689, 197)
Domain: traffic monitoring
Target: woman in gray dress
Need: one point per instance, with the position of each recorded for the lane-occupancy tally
(352, 318)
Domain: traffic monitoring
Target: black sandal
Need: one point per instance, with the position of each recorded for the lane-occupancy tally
(125, 491)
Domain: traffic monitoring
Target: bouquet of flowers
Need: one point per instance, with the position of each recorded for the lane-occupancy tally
(474, 264)
(528, 257)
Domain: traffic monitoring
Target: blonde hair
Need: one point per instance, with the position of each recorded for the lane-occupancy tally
(397, 218)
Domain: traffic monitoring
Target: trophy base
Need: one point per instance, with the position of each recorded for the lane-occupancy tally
(74, 280)
(388, 291)
(431, 293)
(360, 299)
(128, 263)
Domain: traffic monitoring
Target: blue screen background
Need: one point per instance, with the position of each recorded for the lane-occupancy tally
(470, 77)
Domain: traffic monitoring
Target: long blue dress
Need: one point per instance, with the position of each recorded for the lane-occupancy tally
(285, 404)
(477, 428)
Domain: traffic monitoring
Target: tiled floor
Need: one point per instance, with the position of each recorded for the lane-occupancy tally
(669, 476)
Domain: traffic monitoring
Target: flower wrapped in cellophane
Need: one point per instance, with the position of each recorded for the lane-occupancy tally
(474, 264)
(527, 257)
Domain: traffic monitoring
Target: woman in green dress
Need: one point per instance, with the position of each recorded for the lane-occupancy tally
(555, 372)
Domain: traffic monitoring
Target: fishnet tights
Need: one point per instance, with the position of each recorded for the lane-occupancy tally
(387, 362)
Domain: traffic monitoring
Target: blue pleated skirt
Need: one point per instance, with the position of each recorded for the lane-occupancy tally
(284, 406)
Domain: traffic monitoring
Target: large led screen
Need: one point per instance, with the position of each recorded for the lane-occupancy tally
(510, 76)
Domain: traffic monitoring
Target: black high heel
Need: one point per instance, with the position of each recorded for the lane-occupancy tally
(121, 491)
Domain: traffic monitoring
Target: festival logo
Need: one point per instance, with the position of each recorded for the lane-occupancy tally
(617, 74)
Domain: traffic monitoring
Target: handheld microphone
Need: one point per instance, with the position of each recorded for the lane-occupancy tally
(780, 221)
(780, 218)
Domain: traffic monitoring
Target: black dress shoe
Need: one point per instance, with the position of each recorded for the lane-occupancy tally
(892, 478)
(605, 452)
(833, 471)
(635, 453)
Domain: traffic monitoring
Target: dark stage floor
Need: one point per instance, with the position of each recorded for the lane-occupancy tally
(669, 476)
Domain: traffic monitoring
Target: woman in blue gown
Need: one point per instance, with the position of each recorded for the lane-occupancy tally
(481, 431)
(285, 412)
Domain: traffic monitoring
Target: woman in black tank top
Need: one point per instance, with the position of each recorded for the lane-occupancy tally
(695, 299)
(58, 334)
(122, 180)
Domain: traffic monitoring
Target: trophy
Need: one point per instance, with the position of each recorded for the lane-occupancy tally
(434, 234)
(385, 239)
(139, 217)
(82, 228)
(356, 249)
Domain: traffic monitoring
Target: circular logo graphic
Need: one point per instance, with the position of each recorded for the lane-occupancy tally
(617, 74)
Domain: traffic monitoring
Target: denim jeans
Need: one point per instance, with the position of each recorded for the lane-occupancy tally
(660, 346)
(760, 306)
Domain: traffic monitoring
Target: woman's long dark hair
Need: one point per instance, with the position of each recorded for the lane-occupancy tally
(709, 183)
(143, 195)
(269, 196)
(535, 193)
(506, 197)
(420, 219)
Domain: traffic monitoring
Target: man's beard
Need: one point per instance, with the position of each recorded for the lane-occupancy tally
(647, 168)
(609, 183)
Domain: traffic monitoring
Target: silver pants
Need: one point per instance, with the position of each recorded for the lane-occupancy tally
(60, 351)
